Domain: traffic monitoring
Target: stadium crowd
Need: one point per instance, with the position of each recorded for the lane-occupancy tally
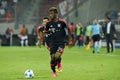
(7, 10)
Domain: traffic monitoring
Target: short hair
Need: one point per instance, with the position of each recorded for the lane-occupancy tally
(54, 9)
(46, 18)
(108, 18)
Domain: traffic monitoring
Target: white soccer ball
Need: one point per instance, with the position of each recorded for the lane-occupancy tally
(29, 73)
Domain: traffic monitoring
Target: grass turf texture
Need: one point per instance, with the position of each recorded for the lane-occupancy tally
(78, 64)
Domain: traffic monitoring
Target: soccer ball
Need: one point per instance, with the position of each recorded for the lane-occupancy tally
(29, 73)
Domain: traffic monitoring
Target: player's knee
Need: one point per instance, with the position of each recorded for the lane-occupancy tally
(57, 55)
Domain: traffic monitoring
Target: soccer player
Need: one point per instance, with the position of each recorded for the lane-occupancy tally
(57, 29)
(41, 35)
(96, 30)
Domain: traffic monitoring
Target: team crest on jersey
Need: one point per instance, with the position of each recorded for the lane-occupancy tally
(59, 25)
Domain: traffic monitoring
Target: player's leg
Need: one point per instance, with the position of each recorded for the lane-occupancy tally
(93, 38)
(53, 61)
(59, 63)
(98, 44)
(58, 56)
(56, 53)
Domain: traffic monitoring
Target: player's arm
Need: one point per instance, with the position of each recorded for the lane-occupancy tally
(44, 33)
(41, 36)
(68, 34)
(38, 36)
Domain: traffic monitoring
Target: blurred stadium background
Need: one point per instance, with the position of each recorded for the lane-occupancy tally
(15, 13)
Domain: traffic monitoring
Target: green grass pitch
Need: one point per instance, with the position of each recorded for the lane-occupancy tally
(78, 64)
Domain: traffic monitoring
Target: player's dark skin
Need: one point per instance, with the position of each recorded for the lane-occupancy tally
(56, 55)
(53, 17)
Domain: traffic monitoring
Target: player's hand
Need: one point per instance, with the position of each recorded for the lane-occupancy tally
(40, 43)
